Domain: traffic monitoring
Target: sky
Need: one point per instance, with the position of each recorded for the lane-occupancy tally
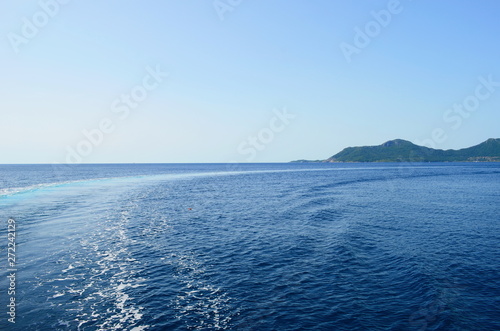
(243, 81)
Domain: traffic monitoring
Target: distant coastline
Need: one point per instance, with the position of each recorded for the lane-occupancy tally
(400, 150)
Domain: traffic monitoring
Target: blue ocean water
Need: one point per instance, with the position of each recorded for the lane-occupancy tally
(253, 246)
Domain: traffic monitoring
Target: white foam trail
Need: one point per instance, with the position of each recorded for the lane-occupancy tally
(200, 305)
(16, 190)
(6, 192)
(10, 191)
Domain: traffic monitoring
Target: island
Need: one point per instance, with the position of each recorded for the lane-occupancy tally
(400, 150)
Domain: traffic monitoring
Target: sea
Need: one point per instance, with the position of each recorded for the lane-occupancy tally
(282, 246)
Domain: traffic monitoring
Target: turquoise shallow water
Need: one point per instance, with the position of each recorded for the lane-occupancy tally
(253, 246)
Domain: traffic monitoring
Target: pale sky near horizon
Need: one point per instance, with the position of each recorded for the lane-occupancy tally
(68, 68)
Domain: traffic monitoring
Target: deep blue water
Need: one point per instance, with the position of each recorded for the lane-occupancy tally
(253, 246)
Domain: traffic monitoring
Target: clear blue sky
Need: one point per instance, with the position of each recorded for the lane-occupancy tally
(227, 78)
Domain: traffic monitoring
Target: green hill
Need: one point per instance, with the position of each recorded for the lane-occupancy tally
(404, 151)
